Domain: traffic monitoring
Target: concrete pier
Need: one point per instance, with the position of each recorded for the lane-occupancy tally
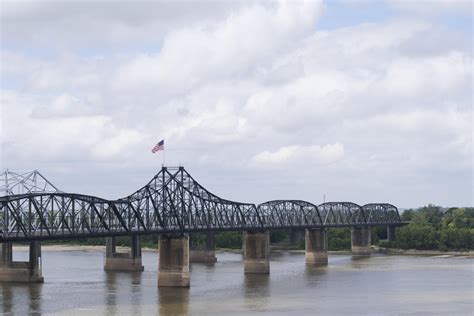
(203, 252)
(20, 271)
(118, 261)
(257, 252)
(360, 238)
(316, 244)
(173, 267)
(391, 233)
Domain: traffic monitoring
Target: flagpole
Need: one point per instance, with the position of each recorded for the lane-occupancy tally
(158, 147)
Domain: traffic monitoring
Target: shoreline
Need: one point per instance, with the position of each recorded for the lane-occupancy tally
(415, 252)
(375, 250)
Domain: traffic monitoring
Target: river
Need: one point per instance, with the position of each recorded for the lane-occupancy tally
(75, 284)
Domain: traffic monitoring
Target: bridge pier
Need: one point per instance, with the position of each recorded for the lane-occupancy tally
(116, 261)
(173, 266)
(391, 233)
(206, 253)
(20, 271)
(257, 252)
(316, 244)
(360, 240)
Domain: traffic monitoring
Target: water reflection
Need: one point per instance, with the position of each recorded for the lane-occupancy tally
(278, 254)
(208, 265)
(315, 271)
(173, 301)
(7, 299)
(34, 292)
(257, 291)
(360, 262)
(205, 268)
(111, 292)
(116, 282)
(135, 286)
(13, 295)
(315, 274)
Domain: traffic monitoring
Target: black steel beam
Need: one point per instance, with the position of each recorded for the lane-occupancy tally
(178, 205)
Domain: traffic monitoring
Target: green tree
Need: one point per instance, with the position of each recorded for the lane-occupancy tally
(339, 239)
(457, 229)
(417, 236)
(407, 215)
(231, 240)
(431, 215)
(458, 218)
(456, 238)
(278, 235)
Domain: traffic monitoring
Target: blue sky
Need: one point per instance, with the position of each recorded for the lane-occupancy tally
(341, 13)
(358, 100)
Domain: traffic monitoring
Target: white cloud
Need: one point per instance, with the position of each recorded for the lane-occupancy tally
(62, 133)
(64, 105)
(219, 50)
(239, 93)
(297, 154)
(429, 78)
(101, 26)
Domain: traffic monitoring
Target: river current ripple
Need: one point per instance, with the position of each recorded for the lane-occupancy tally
(75, 284)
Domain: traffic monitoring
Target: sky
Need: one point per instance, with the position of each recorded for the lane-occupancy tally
(362, 101)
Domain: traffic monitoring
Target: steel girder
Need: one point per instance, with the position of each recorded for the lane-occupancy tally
(172, 202)
(12, 182)
(289, 213)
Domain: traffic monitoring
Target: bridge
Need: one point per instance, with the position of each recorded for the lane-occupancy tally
(173, 205)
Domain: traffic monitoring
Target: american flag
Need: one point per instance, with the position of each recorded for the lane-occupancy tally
(159, 146)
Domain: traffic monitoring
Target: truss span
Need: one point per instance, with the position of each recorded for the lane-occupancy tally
(12, 182)
(172, 202)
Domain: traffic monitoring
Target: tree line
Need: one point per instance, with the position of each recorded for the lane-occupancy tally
(431, 228)
(435, 228)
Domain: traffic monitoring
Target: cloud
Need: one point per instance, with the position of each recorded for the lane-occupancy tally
(62, 133)
(64, 105)
(296, 154)
(218, 50)
(429, 77)
(239, 92)
(100, 26)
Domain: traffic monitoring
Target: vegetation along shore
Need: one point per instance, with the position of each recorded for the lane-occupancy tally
(433, 230)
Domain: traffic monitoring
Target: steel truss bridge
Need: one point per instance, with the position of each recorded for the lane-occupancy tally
(171, 203)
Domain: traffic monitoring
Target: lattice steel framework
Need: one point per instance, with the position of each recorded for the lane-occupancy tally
(12, 183)
(297, 213)
(172, 202)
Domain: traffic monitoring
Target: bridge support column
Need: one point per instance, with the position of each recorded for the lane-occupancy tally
(257, 252)
(116, 261)
(206, 253)
(20, 271)
(391, 233)
(360, 237)
(173, 266)
(316, 242)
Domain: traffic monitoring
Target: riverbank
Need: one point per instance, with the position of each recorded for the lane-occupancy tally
(414, 252)
(375, 249)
